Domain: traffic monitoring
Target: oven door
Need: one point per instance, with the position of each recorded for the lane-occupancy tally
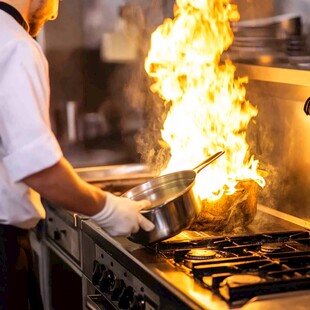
(93, 300)
(62, 260)
(60, 278)
(65, 283)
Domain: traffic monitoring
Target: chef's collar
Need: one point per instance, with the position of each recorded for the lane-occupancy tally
(15, 14)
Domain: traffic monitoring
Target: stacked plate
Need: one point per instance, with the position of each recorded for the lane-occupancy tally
(266, 40)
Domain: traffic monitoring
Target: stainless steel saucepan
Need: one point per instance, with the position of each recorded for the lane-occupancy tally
(174, 203)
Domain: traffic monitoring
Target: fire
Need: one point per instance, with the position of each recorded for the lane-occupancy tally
(208, 109)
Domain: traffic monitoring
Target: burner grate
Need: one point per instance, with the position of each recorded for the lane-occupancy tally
(242, 267)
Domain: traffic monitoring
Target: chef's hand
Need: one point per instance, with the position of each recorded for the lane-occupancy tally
(121, 216)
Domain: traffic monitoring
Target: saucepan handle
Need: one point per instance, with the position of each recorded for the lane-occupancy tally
(208, 161)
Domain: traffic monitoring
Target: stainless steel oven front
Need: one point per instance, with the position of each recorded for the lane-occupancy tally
(61, 274)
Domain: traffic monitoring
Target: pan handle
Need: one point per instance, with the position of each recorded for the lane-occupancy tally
(208, 161)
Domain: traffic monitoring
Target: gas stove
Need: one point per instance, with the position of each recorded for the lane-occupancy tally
(200, 270)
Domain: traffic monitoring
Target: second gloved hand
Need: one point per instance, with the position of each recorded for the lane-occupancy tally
(121, 216)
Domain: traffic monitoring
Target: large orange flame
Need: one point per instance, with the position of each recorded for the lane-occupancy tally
(208, 111)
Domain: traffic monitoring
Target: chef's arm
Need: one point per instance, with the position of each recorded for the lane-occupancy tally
(117, 215)
(61, 185)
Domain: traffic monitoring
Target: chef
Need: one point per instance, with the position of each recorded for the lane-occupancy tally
(31, 161)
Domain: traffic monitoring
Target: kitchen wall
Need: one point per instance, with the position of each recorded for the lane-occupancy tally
(279, 135)
(72, 44)
(253, 9)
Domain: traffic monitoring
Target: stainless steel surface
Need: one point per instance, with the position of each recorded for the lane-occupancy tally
(40, 249)
(297, 300)
(279, 139)
(175, 205)
(93, 302)
(64, 256)
(163, 189)
(67, 216)
(61, 244)
(208, 161)
(287, 217)
(63, 235)
(162, 275)
(114, 172)
(283, 75)
(80, 156)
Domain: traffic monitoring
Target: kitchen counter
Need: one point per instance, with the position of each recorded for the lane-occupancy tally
(79, 156)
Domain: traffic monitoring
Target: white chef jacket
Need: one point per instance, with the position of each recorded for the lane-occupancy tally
(27, 144)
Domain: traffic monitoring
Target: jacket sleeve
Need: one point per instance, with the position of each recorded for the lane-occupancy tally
(27, 141)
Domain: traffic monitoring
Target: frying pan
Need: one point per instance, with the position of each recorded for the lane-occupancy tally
(174, 205)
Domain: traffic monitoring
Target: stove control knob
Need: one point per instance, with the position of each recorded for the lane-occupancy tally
(126, 298)
(107, 281)
(138, 303)
(118, 289)
(97, 272)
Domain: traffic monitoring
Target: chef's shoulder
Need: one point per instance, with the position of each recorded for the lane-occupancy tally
(21, 48)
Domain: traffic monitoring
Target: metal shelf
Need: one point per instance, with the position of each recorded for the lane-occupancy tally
(290, 76)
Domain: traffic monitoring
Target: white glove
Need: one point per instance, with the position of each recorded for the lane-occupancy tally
(121, 216)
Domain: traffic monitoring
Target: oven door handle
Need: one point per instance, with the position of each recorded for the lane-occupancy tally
(98, 302)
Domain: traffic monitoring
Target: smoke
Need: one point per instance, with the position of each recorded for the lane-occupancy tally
(144, 110)
(154, 151)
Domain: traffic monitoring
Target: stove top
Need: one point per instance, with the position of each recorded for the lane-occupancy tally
(260, 266)
(242, 267)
